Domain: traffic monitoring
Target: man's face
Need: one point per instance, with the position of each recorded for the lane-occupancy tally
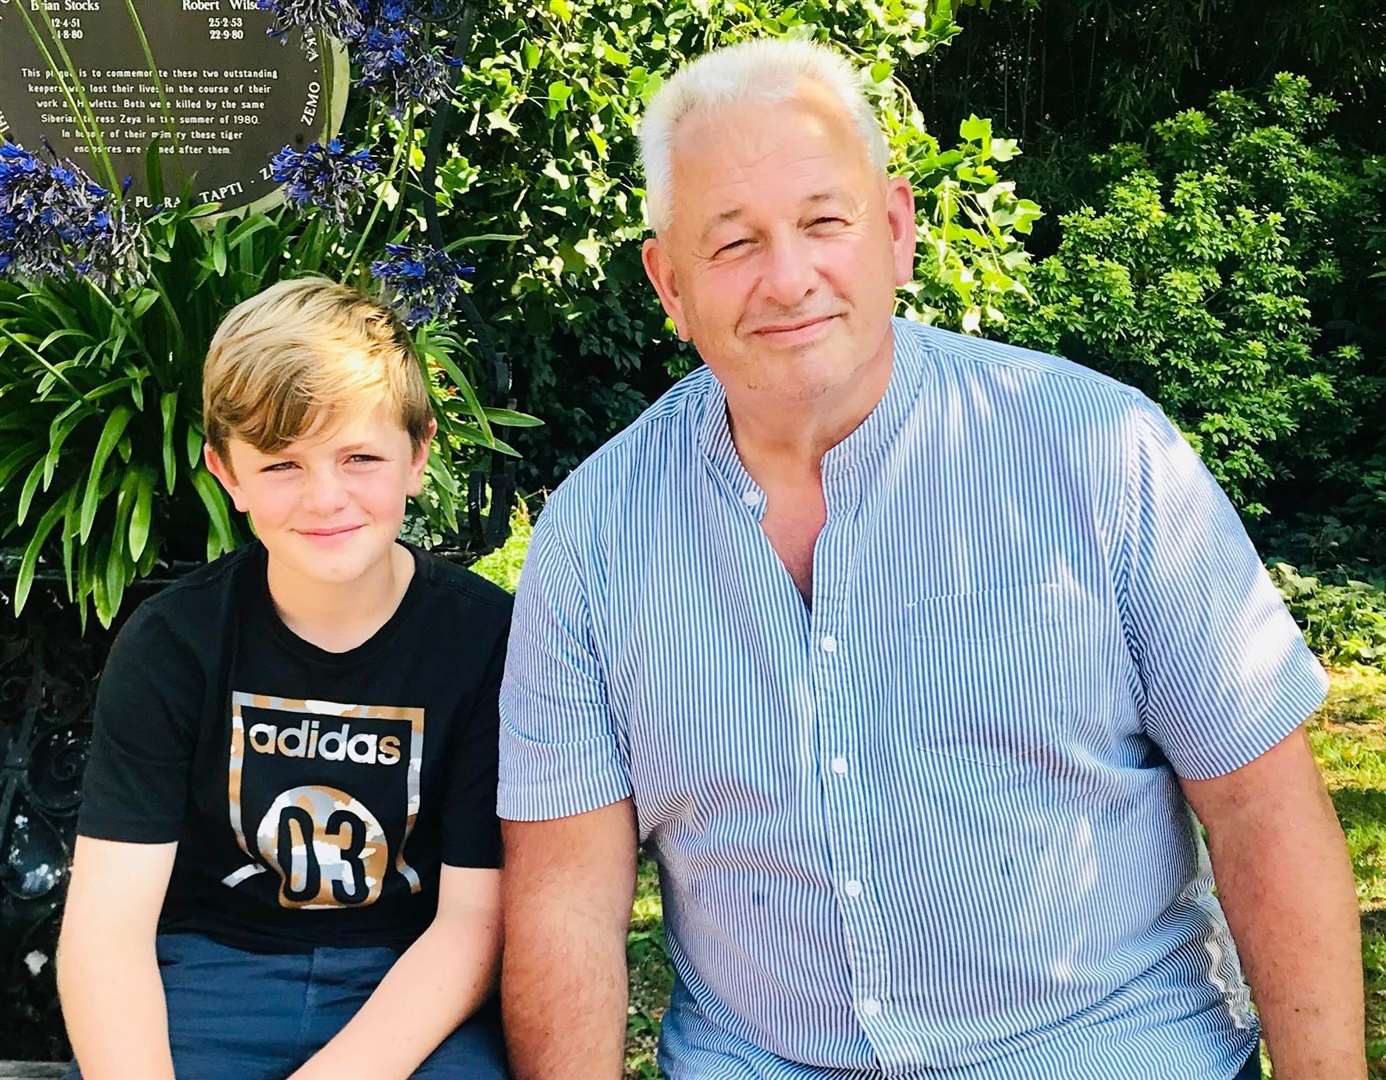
(785, 248)
(328, 506)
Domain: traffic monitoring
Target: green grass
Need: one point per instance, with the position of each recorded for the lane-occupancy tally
(1349, 739)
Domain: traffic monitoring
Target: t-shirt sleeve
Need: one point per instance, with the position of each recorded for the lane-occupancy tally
(471, 830)
(1225, 672)
(559, 751)
(147, 701)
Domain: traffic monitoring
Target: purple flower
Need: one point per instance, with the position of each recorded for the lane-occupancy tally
(343, 19)
(332, 179)
(401, 59)
(396, 42)
(422, 282)
(55, 222)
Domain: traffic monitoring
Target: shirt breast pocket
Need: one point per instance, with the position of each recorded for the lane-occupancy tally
(987, 676)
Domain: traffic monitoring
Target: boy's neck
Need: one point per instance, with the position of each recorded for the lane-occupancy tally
(340, 616)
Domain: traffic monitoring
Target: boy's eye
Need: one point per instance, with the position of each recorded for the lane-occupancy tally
(280, 466)
(363, 457)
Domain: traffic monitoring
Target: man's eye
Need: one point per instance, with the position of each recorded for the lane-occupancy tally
(726, 248)
(816, 222)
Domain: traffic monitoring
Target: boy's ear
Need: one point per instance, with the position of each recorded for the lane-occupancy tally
(420, 461)
(222, 471)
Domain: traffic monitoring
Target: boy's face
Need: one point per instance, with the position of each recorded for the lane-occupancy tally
(328, 506)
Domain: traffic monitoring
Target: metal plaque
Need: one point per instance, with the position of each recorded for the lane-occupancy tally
(234, 96)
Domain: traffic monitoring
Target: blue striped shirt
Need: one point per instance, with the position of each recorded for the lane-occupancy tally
(930, 825)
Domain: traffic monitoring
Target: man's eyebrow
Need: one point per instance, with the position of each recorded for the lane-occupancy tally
(721, 219)
(816, 199)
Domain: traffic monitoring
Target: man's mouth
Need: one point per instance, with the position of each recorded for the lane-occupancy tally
(790, 327)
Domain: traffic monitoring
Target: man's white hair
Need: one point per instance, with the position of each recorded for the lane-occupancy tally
(765, 70)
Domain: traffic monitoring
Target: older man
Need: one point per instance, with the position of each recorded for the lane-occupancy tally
(905, 655)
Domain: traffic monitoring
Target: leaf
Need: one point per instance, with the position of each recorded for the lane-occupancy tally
(143, 510)
(168, 408)
(498, 121)
(193, 445)
(28, 565)
(219, 248)
(58, 335)
(881, 70)
(70, 526)
(116, 577)
(464, 387)
(221, 535)
(154, 171)
(975, 129)
(15, 459)
(145, 300)
(510, 418)
(110, 436)
(26, 494)
(246, 229)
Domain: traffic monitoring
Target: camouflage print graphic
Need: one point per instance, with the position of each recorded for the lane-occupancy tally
(329, 849)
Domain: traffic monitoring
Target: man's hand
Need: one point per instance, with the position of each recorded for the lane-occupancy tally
(1286, 884)
(567, 890)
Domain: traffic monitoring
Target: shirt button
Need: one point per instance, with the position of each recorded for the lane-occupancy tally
(751, 498)
(871, 1007)
(852, 889)
(828, 643)
(840, 766)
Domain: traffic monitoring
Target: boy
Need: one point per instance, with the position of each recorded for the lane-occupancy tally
(287, 850)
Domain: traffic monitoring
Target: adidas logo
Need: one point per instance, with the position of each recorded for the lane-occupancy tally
(307, 741)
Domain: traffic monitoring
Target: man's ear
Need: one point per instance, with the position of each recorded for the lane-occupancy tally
(222, 471)
(660, 271)
(420, 460)
(899, 200)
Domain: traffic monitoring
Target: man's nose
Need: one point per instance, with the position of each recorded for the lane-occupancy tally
(790, 274)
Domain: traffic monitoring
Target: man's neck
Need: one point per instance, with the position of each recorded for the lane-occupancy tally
(338, 617)
(778, 438)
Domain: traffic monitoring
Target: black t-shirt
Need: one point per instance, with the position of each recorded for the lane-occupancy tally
(313, 795)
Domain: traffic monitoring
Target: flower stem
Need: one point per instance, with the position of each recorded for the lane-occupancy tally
(82, 115)
(379, 202)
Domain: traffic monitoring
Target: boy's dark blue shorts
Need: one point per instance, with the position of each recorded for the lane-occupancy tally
(238, 1015)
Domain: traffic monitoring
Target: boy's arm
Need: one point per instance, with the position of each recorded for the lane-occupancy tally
(439, 981)
(108, 978)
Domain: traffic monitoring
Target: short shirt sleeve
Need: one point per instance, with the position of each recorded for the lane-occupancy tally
(559, 752)
(1225, 672)
(147, 702)
(471, 830)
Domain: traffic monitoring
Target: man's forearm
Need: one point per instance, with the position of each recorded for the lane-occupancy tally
(113, 1007)
(1287, 888)
(563, 992)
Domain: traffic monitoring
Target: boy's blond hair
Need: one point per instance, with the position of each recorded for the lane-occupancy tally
(302, 352)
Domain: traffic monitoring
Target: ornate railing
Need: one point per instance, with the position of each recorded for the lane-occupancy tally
(47, 679)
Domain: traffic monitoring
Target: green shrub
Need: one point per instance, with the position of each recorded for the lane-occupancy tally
(1344, 621)
(1206, 274)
